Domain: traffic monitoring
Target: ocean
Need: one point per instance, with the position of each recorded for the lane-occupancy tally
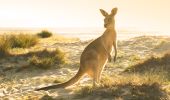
(84, 33)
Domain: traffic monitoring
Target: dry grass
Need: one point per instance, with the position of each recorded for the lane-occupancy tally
(153, 64)
(46, 59)
(7, 42)
(22, 40)
(127, 87)
(4, 46)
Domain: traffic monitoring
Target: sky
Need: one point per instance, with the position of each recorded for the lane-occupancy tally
(149, 15)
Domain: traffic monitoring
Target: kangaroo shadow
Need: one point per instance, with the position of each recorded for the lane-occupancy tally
(124, 92)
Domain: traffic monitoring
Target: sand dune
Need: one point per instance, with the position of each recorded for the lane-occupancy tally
(20, 85)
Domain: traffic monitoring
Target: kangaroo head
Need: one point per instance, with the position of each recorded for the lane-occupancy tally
(109, 20)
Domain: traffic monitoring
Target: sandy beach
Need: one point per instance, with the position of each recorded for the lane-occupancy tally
(20, 85)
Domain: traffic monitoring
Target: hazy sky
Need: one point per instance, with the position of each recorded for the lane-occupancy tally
(139, 14)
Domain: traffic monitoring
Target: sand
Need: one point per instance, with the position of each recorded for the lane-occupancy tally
(20, 85)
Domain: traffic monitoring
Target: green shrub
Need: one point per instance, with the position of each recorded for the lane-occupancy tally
(45, 34)
(23, 40)
(46, 59)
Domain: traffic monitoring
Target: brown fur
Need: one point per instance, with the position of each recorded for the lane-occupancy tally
(96, 54)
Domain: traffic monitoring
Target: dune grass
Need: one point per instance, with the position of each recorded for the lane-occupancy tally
(7, 42)
(127, 87)
(44, 34)
(153, 64)
(22, 40)
(4, 46)
(45, 59)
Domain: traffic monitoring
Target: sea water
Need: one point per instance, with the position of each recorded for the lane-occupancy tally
(84, 33)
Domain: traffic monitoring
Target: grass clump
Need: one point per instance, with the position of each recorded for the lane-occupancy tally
(153, 64)
(7, 42)
(46, 59)
(4, 46)
(44, 34)
(43, 63)
(126, 87)
(19, 40)
(22, 40)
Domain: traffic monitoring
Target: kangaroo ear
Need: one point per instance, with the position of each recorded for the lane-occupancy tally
(114, 11)
(104, 13)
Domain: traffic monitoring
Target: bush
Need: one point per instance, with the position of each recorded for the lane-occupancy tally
(44, 34)
(4, 46)
(46, 59)
(23, 40)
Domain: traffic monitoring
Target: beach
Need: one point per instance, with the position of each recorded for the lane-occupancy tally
(21, 84)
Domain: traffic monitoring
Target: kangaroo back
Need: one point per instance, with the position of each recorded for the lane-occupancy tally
(63, 85)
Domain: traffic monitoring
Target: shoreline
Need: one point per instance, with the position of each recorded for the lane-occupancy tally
(90, 35)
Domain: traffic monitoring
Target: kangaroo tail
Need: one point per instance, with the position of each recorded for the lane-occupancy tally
(63, 85)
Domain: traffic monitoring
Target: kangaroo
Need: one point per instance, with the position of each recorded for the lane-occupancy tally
(96, 54)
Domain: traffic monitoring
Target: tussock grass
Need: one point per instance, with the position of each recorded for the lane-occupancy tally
(127, 87)
(4, 46)
(7, 42)
(43, 63)
(160, 44)
(23, 40)
(44, 34)
(153, 64)
(46, 59)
